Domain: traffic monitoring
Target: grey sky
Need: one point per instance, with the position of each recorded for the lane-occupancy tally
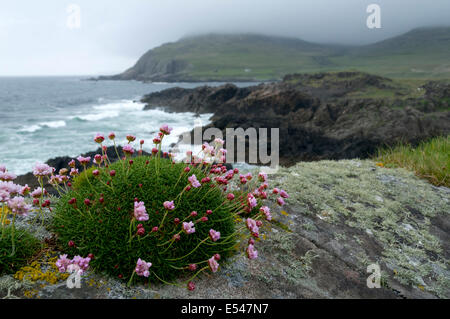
(35, 39)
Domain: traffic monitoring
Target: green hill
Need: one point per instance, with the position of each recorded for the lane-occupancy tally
(421, 53)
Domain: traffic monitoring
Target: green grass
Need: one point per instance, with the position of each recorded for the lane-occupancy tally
(25, 245)
(430, 159)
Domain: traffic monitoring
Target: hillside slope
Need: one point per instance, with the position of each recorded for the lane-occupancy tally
(420, 53)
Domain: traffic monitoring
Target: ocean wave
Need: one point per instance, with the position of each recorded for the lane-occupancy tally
(124, 105)
(96, 116)
(53, 124)
(36, 127)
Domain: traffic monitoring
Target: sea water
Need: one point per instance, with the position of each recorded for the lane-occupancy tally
(46, 117)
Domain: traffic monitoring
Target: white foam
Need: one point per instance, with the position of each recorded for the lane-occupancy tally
(124, 105)
(97, 116)
(36, 127)
(53, 124)
(30, 129)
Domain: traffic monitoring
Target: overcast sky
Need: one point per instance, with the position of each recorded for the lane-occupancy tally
(36, 38)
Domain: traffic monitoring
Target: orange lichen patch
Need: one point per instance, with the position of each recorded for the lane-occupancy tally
(4, 211)
(30, 293)
(379, 164)
(42, 273)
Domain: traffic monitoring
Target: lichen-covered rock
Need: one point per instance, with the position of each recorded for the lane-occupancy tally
(341, 217)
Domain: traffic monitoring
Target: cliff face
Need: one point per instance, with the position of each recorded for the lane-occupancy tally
(152, 68)
(322, 116)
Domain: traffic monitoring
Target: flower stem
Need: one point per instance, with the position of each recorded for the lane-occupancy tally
(13, 234)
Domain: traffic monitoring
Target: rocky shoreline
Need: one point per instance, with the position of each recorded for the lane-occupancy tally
(321, 116)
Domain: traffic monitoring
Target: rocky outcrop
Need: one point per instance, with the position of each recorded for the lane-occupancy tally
(320, 116)
(341, 217)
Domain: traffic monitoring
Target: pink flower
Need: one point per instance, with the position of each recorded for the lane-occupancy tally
(140, 213)
(36, 193)
(79, 263)
(142, 268)
(219, 141)
(284, 194)
(194, 182)
(25, 190)
(99, 138)
(266, 211)
(189, 227)
(98, 158)
(262, 177)
(131, 138)
(214, 235)
(156, 140)
(18, 206)
(165, 129)
(10, 187)
(230, 196)
(252, 253)
(169, 205)
(251, 225)
(280, 201)
(213, 264)
(192, 267)
(275, 191)
(112, 136)
(55, 180)
(6, 176)
(191, 285)
(72, 163)
(84, 160)
(74, 171)
(128, 149)
(251, 201)
(4, 196)
(62, 263)
(2, 168)
(42, 170)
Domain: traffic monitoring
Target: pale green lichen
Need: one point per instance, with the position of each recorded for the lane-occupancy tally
(281, 245)
(392, 205)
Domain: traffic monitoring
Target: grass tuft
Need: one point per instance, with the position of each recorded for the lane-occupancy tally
(429, 160)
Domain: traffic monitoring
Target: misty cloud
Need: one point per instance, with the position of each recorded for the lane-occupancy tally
(113, 34)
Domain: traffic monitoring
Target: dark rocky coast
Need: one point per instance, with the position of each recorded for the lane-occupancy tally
(322, 116)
